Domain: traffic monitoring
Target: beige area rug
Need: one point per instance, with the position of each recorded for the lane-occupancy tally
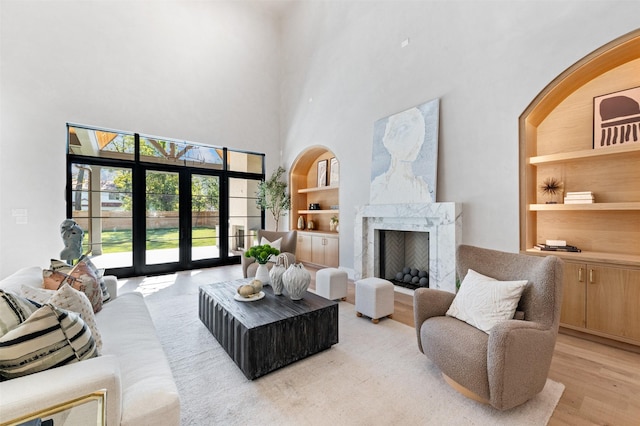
(375, 375)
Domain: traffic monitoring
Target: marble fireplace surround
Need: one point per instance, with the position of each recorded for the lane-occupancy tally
(443, 222)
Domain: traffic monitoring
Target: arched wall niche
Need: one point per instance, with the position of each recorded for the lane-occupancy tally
(318, 245)
(557, 141)
(558, 125)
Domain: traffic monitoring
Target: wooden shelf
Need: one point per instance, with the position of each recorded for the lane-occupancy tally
(336, 212)
(317, 232)
(632, 205)
(591, 257)
(562, 157)
(317, 189)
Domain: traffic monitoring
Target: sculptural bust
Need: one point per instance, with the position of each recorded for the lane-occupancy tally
(72, 236)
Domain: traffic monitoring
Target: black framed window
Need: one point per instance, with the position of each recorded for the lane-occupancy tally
(151, 204)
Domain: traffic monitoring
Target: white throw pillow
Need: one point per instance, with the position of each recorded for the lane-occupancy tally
(69, 299)
(483, 301)
(275, 244)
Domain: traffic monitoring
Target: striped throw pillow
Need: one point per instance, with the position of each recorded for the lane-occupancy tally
(50, 337)
(69, 299)
(14, 310)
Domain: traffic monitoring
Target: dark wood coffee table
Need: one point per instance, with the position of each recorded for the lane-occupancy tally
(266, 334)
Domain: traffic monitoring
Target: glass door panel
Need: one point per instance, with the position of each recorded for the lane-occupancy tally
(101, 205)
(205, 217)
(162, 241)
(245, 217)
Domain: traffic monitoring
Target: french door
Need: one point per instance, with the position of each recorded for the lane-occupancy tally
(181, 221)
(182, 218)
(152, 205)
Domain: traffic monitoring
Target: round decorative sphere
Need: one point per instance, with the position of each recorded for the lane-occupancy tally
(406, 270)
(424, 281)
(422, 274)
(415, 280)
(414, 272)
(407, 278)
(399, 276)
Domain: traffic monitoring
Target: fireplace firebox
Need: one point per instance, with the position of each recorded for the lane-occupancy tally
(404, 258)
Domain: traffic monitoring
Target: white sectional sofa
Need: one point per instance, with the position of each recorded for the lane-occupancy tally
(132, 367)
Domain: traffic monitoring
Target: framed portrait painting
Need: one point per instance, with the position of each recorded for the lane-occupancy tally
(404, 158)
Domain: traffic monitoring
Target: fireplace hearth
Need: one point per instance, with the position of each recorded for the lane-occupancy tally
(441, 221)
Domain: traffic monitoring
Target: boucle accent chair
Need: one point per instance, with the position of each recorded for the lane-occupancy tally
(508, 366)
(287, 247)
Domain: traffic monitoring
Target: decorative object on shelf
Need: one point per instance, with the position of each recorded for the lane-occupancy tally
(272, 195)
(310, 225)
(314, 206)
(262, 254)
(322, 173)
(333, 223)
(405, 155)
(564, 247)
(275, 275)
(616, 118)
(296, 281)
(584, 197)
(551, 188)
(301, 222)
(334, 172)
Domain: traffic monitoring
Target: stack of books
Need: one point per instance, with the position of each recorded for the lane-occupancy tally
(556, 245)
(585, 197)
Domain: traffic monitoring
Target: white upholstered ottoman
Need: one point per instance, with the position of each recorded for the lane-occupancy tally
(374, 298)
(331, 283)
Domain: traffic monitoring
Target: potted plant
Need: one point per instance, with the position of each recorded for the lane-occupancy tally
(272, 195)
(333, 223)
(262, 254)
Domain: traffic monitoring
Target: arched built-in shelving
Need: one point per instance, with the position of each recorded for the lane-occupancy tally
(320, 245)
(602, 282)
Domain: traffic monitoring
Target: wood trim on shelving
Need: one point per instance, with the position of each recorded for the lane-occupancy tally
(318, 233)
(619, 259)
(630, 205)
(317, 189)
(318, 212)
(586, 154)
(606, 58)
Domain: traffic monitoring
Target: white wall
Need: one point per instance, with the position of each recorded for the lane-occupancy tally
(212, 72)
(207, 72)
(486, 60)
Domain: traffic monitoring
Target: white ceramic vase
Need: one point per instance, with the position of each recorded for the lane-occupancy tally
(276, 273)
(262, 274)
(296, 281)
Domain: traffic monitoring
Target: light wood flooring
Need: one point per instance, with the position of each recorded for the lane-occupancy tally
(602, 383)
